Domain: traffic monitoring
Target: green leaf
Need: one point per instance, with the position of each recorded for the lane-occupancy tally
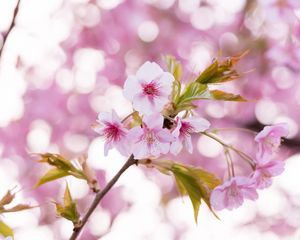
(174, 67)
(17, 208)
(196, 183)
(176, 89)
(67, 197)
(58, 161)
(5, 230)
(52, 175)
(207, 75)
(193, 91)
(188, 184)
(7, 199)
(221, 71)
(224, 96)
(69, 209)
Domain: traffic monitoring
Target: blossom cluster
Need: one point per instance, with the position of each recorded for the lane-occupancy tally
(145, 134)
(231, 193)
(149, 91)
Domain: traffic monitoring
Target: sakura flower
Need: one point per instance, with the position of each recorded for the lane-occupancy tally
(269, 140)
(264, 173)
(149, 89)
(183, 131)
(110, 126)
(231, 194)
(150, 140)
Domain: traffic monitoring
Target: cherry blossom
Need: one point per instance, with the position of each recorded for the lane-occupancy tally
(231, 194)
(264, 173)
(150, 140)
(269, 140)
(110, 126)
(183, 131)
(149, 89)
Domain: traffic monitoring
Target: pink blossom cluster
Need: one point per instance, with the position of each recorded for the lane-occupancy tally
(231, 193)
(149, 91)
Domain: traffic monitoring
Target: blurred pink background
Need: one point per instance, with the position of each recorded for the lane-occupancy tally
(67, 60)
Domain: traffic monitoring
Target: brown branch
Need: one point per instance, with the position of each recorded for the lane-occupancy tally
(13, 23)
(131, 161)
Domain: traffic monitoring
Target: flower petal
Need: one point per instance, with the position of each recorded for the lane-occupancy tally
(198, 124)
(142, 104)
(188, 144)
(149, 71)
(176, 147)
(154, 121)
(131, 88)
(105, 117)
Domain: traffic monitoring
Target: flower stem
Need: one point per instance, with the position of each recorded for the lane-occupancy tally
(77, 229)
(243, 155)
(13, 23)
(128, 116)
(229, 161)
(215, 130)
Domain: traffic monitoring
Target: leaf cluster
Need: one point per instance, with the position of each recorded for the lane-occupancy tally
(194, 182)
(68, 209)
(219, 71)
(63, 167)
(7, 199)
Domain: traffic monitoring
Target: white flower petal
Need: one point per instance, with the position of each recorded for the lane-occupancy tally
(188, 144)
(143, 105)
(159, 103)
(105, 117)
(154, 121)
(131, 88)
(199, 124)
(141, 150)
(149, 71)
(165, 136)
(176, 147)
(166, 82)
(107, 147)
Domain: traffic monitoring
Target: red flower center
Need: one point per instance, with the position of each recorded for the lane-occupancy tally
(151, 89)
(113, 132)
(186, 129)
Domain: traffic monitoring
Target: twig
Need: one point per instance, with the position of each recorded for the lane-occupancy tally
(131, 161)
(243, 155)
(13, 23)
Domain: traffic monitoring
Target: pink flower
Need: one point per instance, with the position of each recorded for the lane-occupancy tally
(264, 173)
(231, 194)
(110, 126)
(183, 131)
(149, 89)
(269, 140)
(150, 140)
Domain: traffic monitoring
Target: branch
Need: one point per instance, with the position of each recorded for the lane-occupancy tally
(100, 195)
(13, 23)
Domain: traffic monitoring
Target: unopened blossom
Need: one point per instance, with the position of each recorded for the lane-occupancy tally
(264, 173)
(231, 194)
(149, 89)
(183, 131)
(269, 140)
(110, 127)
(150, 140)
